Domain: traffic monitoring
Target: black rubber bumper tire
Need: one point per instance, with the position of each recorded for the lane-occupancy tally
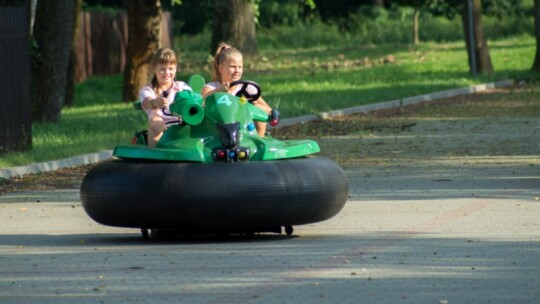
(216, 196)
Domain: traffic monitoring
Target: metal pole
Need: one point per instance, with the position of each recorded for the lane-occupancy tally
(471, 38)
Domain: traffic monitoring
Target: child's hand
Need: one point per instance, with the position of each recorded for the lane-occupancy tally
(160, 102)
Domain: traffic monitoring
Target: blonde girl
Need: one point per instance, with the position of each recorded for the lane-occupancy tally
(227, 67)
(157, 96)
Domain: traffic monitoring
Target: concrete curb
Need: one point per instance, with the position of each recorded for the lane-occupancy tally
(104, 155)
(397, 102)
(56, 164)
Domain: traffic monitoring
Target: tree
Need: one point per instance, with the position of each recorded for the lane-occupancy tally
(70, 86)
(144, 31)
(479, 59)
(478, 52)
(52, 39)
(15, 120)
(416, 5)
(536, 13)
(234, 22)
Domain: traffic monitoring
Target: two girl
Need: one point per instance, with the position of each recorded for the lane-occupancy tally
(159, 94)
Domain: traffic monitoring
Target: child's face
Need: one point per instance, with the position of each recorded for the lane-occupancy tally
(165, 73)
(231, 68)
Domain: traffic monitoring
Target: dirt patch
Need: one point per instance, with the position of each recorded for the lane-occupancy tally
(498, 123)
(66, 178)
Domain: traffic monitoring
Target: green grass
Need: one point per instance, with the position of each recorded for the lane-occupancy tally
(297, 81)
(312, 80)
(97, 122)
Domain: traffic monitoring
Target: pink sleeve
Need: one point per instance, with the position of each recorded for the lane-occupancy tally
(146, 92)
(181, 86)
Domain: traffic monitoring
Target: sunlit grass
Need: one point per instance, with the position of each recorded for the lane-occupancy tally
(81, 130)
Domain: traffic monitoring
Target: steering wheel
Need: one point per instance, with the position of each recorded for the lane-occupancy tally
(254, 89)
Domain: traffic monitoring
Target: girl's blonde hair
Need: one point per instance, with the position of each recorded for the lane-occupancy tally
(162, 56)
(223, 52)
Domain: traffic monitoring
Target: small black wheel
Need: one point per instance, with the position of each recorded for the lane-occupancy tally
(289, 230)
(155, 233)
(144, 233)
(224, 235)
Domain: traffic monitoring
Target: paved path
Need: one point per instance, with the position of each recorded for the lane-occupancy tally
(406, 237)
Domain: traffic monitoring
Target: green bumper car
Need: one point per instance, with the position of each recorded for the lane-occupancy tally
(212, 174)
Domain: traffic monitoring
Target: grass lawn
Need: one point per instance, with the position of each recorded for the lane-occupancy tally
(298, 82)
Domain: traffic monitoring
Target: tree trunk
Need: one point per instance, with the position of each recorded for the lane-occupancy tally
(144, 31)
(53, 35)
(536, 13)
(15, 120)
(70, 86)
(416, 16)
(234, 23)
(480, 53)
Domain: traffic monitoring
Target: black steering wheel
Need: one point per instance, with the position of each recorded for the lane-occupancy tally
(254, 89)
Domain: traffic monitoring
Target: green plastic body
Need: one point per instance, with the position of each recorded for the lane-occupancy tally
(199, 137)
